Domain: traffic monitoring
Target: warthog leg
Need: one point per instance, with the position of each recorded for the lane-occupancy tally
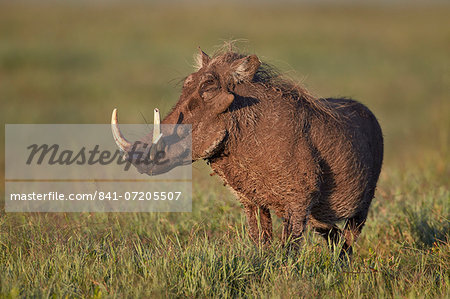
(259, 231)
(293, 228)
(351, 232)
(333, 234)
(286, 231)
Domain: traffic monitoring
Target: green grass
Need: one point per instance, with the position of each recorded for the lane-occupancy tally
(74, 63)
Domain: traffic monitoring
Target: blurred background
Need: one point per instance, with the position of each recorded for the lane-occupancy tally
(73, 62)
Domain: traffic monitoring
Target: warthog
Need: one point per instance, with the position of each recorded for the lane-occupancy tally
(310, 160)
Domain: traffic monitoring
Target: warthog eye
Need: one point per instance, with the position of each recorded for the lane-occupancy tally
(209, 92)
(208, 87)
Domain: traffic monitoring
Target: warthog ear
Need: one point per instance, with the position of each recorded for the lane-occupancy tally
(221, 102)
(201, 59)
(245, 68)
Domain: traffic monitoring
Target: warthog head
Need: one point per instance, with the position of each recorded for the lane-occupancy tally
(204, 104)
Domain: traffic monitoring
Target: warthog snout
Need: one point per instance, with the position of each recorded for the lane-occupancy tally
(151, 155)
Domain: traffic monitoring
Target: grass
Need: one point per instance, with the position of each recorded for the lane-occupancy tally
(73, 63)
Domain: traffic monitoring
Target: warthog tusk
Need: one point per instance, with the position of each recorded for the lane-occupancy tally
(121, 142)
(156, 126)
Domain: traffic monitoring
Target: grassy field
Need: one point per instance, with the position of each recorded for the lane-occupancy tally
(74, 63)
